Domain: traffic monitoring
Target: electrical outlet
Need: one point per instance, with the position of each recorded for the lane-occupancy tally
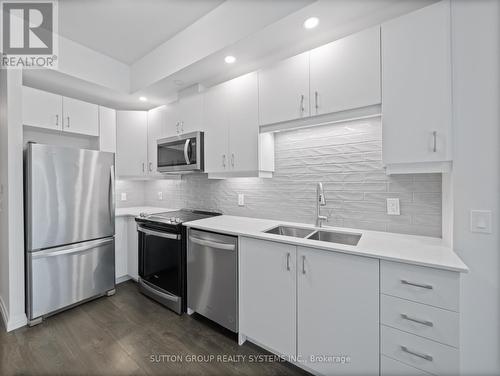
(393, 206)
(123, 196)
(160, 196)
(241, 199)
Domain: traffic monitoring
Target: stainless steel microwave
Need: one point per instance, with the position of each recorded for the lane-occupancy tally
(183, 153)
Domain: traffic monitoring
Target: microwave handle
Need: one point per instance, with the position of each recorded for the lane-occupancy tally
(186, 154)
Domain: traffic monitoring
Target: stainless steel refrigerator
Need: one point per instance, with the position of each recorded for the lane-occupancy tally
(69, 227)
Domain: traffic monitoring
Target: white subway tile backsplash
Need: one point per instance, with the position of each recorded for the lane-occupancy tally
(345, 157)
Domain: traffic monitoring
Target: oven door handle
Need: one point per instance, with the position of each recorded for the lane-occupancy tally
(186, 154)
(212, 244)
(152, 290)
(166, 235)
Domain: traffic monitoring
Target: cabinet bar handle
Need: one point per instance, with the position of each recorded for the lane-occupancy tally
(150, 166)
(303, 264)
(288, 261)
(232, 159)
(143, 167)
(420, 355)
(434, 136)
(302, 109)
(68, 120)
(224, 160)
(418, 321)
(423, 286)
(57, 120)
(316, 101)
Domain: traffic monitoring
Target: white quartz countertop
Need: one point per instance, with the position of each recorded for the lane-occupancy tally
(136, 210)
(411, 249)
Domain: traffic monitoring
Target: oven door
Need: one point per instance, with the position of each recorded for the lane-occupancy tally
(160, 266)
(182, 153)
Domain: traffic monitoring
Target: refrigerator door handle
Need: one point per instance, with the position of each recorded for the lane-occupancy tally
(65, 250)
(111, 203)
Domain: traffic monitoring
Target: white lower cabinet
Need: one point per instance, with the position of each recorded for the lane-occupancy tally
(132, 249)
(391, 367)
(418, 352)
(126, 249)
(317, 307)
(121, 249)
(268, 294)
(338, 312)
(333, 313)
(419, 323)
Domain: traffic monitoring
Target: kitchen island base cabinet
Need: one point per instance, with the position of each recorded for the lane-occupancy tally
(267, 294)
(318, 309)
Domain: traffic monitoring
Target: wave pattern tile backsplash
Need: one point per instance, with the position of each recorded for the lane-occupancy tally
(346, 157)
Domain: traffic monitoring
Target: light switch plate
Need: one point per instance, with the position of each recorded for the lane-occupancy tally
(480, 221)
(241, 199)
(393, 206)
(123, 196)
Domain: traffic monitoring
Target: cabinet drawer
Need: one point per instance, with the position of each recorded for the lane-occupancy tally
(391, 367)
(439, 288)
(419, 352)
(434, 323)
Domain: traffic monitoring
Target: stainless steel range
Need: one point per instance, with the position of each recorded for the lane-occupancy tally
(162, 255)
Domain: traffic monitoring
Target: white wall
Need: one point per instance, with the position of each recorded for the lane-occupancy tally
(476, 166)
(11, 215)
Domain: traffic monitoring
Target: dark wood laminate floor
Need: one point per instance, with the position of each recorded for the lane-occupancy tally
(119, 335)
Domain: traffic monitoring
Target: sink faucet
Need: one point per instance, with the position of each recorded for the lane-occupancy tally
(320, 201)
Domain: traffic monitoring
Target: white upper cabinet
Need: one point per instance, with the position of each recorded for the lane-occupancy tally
(42, 109)
(345, 74)
(268, 294)
(284, 90)
(191, 113)
(243, 102)
(233, 145)
(51, 111)
(131, 143)
(416, 90)
(156, 130)
(107, 129)
(185, 115)
(80, 117)
(338, 311)
(216, 116)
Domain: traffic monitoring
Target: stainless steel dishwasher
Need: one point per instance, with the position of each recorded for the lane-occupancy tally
(212, 277)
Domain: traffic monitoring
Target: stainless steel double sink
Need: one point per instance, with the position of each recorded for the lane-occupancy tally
(339, 237)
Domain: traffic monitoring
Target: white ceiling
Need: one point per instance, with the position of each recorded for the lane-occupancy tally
(193, 48)
(126, 30)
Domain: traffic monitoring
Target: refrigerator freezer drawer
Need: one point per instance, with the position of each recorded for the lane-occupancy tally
(63, 276)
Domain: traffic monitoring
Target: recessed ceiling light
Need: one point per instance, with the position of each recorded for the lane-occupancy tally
(229, 59)
(143, 99)
(311, 22)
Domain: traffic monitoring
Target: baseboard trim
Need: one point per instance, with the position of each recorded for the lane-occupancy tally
(122, 279)
(11, 323)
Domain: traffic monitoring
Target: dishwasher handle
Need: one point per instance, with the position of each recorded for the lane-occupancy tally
(212, 244)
